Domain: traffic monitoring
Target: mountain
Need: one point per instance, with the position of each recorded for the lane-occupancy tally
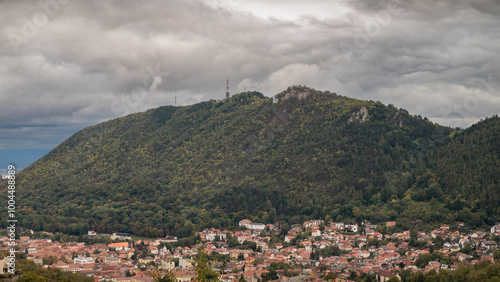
(301, 155)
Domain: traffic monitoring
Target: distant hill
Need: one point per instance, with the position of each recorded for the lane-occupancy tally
(305, 154)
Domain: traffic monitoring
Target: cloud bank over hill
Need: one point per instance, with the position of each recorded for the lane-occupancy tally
(67, 64)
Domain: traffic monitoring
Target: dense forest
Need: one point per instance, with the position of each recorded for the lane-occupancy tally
(301, 155)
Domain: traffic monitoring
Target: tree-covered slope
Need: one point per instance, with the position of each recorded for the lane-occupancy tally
(309, 154)
(468, 171)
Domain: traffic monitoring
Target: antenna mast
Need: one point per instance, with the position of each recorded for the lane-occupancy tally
(227, 89)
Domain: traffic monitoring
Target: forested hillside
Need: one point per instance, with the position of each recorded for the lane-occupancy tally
(307, 154)
(468, 171)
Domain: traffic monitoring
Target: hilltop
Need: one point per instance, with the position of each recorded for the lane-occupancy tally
(304, 154)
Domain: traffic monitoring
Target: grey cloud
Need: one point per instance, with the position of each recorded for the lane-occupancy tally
(96, 60)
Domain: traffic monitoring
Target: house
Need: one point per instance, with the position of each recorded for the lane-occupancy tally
(92, 233)
(339, 225)
(315, 232)
(146, 260)
(435, 233)
(242, 239)
(142, 242)
(313, 223)
(210, 236)
(153, 250)
(244, 223)
(353, 227)
(307, 245)
(362, 238)
(365, 254)
(4, 265)
(167, 265)
(453, 247)
(32, 250)
(61, 265)
(391, 224)
(477, 234)
(257, 226)
(489, 244)
(434, 265)
(384, 275)
(141, 278)
(184, 276)
(463, 241)
(185, 263)
(461, 257)
(495, 228)
(346, 247)
(112, 259)
(74, 268)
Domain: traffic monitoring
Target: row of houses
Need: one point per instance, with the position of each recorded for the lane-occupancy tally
(113, 260)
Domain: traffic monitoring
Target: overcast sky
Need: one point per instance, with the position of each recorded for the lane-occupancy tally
(67, 64)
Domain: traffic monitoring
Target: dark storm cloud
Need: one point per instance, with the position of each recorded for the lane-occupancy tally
(75, 63)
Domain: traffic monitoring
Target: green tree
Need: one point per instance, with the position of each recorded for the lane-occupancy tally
(31, 277)
(467, 249)
(63, 258)
(330, 276)
(168, 277)
(496, 255)
(203, 267)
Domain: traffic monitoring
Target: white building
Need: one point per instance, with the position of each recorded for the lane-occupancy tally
(246, 223)
(167, 265)
(257, 226)
(339, 225)
(32, 250)
(185, 263)
(313, 223)
(4, 265)
(114, 260)
(316, 232)
(83, 260)
(121, 236)
(351, 227)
